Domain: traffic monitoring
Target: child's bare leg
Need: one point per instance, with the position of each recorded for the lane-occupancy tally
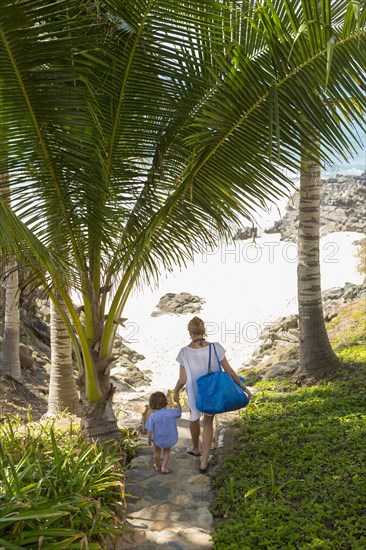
(166, 455)
(157, 452)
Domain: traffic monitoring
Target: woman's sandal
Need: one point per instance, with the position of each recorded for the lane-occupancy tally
(204, 470)
(190, 452)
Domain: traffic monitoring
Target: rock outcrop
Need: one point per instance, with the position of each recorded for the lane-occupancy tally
(342, 208)
(35, 350)
(245, 233)
(334, 297)
(277, 352)
(178, 304)
(125, 373)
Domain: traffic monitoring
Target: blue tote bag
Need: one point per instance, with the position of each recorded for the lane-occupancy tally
(217, 392)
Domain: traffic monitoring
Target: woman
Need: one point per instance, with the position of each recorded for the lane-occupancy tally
(193, 360)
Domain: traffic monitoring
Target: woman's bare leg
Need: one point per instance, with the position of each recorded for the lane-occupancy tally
(194, 426)
(207, 436)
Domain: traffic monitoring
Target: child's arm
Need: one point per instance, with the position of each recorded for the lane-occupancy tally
(149, 437)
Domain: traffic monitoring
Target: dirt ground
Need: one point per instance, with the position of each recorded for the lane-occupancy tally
(27, 398)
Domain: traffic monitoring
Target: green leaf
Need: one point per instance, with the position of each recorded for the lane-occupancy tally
(252, 491)
(330, 49)
(302, 29)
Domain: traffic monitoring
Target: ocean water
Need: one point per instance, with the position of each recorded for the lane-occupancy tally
(245, 287)
(353, 166)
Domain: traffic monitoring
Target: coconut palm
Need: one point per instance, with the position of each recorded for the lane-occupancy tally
(9, 356)
(326, 25)
(63, 395)
(316, 356)
(141, 130)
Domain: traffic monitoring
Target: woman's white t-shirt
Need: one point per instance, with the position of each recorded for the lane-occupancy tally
(195, 363)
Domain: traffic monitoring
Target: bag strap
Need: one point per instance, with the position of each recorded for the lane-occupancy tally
(209, 359)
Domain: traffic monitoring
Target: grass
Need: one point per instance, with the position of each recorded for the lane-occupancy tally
(296, 476)
(56, 491)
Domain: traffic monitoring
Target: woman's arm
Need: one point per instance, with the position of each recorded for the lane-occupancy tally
(177, 401)
(227, 368)
(181, 382)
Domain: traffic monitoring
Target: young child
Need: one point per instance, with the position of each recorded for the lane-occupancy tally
(162, 429)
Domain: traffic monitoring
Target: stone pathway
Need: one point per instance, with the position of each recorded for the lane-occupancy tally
(168, 511)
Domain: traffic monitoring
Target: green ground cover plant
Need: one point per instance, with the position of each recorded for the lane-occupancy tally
(56, 491)
(349, 327)
(348, 332)
(296, 477)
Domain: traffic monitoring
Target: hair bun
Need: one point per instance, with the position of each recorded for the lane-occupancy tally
(196, 327)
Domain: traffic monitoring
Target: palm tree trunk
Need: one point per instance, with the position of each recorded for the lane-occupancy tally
(10, 359)
(99, 421)
(63, 394)
(316, 357)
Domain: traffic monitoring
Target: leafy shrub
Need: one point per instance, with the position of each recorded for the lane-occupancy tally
(296, 479)
(56, 491)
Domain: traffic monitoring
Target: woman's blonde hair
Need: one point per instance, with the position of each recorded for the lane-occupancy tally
(196, 327)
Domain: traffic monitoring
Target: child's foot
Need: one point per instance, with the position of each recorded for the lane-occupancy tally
(165, 471)
(157, 468)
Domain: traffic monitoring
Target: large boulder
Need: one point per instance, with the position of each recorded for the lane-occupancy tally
(178, 304)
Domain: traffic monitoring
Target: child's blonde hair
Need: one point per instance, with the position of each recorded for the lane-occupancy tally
(196, 327)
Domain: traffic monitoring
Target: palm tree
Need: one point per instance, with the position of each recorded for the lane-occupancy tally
(139, 129)
(316, 356)
(63, 394)
(9, 356)
(325, 25)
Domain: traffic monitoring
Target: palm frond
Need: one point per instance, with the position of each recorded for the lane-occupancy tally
(132, 129)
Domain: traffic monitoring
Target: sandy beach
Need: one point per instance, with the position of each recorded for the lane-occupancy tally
(244, 286)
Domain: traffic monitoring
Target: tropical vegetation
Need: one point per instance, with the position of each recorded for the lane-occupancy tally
(56, 491)
(132, 133)
(295, 475)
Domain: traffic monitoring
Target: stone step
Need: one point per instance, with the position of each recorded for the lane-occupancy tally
(168, 510)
